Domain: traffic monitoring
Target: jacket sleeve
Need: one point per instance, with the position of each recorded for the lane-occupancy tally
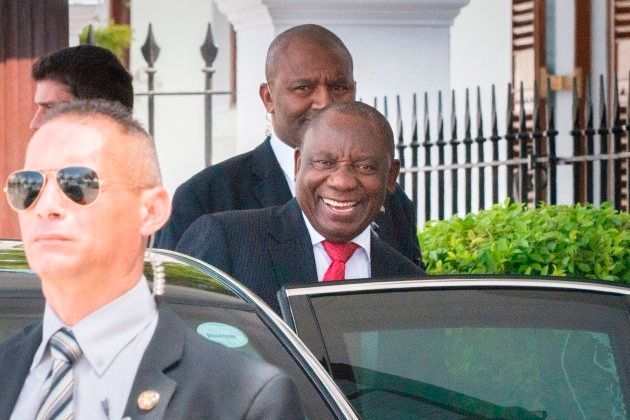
(186, 209)
(206, 240)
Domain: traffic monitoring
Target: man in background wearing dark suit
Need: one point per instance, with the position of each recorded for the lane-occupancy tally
(81, 72)
(344, 169)
(89, 197)
(307, 68)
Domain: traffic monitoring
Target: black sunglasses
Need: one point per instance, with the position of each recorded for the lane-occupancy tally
(79, 184)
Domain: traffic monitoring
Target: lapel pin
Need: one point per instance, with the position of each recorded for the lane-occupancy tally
(148, 399)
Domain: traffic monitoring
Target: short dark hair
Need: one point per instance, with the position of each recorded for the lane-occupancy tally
(90, 72)
(358, 109)
(310, 32)
(142, 149)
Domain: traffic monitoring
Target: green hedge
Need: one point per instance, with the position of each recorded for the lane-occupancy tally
(577, 241)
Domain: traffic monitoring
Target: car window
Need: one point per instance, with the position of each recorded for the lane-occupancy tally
(485, 353)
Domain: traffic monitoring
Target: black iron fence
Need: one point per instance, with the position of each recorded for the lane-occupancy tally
(150, 52)
(526, 152)
(528, 147)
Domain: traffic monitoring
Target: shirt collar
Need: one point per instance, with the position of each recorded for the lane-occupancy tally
(106, 331)
(362, 239)
(286, 158)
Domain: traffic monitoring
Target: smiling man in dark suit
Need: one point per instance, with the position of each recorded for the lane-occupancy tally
(88, 198)
(307, 68)
(344, 169)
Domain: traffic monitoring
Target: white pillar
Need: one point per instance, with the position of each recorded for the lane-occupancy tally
(398, 47)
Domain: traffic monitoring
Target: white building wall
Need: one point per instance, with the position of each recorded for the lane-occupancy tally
(85, 12)
(561, 60)
(481, 55)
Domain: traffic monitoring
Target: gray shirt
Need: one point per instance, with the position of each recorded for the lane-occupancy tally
(113, 339)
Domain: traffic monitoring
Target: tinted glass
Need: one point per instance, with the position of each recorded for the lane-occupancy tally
(491, 354)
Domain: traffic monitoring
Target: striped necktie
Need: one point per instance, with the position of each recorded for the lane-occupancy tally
(57, 393)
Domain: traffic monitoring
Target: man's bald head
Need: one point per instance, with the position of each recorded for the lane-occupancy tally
(138, 148)
(311, 33)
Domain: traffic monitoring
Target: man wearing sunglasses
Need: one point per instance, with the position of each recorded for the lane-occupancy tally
(87, 199)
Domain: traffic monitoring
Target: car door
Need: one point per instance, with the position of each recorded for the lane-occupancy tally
(471, 347)
(210, 303)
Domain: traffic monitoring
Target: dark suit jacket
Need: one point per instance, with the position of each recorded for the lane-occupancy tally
(195, 378)
(255, 180)
(268, 248)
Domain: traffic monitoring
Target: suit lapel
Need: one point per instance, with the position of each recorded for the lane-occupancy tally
(271, 188)
(15, 364)
(291, 249)
(163, 352)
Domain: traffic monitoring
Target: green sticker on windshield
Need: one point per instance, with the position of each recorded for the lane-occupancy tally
(224, 334)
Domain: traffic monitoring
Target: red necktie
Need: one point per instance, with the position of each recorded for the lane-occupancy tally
(340, 253)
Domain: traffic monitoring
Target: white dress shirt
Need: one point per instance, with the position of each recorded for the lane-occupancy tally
(357, 267)
(113, 340)
(286, 158)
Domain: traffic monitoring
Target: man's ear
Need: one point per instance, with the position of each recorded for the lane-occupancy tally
(155, 211)
(265, 96)
(392, 176)
(298, 160)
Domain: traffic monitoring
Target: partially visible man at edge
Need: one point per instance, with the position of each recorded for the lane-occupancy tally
(81, 72)
(307, 68)
(88, 198)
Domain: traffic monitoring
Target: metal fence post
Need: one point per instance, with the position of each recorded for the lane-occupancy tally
(209, 53)
(510, 139)
(468, 141)
(480, 155)
(576, 133)
(414, 153)
(454, 159)
(427, 159)
(551, 138)
(495, 149)
(589, 134)
(150, 52)
(523, 136)
(440, 144)
(617, 132)
(401, 144)
(537, 136)
(603, 141)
